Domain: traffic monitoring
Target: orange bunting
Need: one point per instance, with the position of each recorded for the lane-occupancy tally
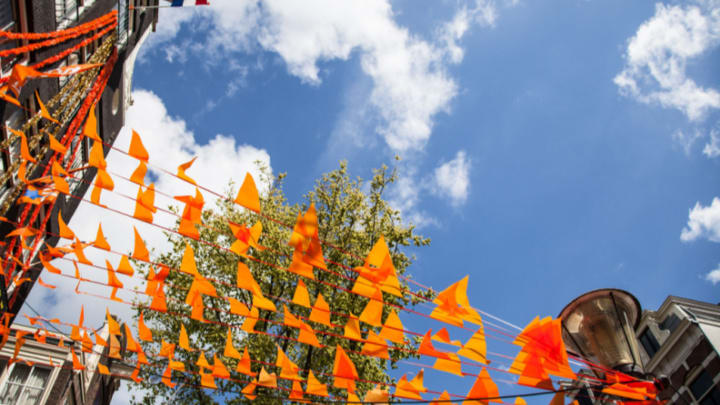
(44, 284)
(138, 176)
(296, 393)
(288, 369)
(167, 377)
(230, 350)
(299, 267)
(237, 307)
(372, 314)
(100, 241)
(55, 145)
(301, 296)
(267, 380)
(44, 111)
(103, 180)
(95, 196)
(315, 387)
(207, 380)
(124, 266)
(352, 328)
(484, 387)
(250, 321)
(77, 365)
(140, 251)
(321, 311)
(144, 332)
(344, 371)
(47, 265)
(248, 390)
(443, 336)
(392, 329)
(188, 264)
(475, 348)
(79, 253)
(246, 281)
(378, 270)
(112, 278)
(243, 365)
(187, 228)
(131, 344)
(450, 365)
(97, 156)
(181, 171)
(137, 149)
(145, 204)
(183, 340)
(159, 302)
(375, 346)
(64, 231)
(219, 369)
(102, 369)
(426, 348)
(90, 130)
(248, 194)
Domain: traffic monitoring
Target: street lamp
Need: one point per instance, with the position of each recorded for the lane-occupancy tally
(600, 326)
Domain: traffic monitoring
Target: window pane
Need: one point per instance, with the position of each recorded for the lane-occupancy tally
(670, 322)
(38, 378)
(649, 343)
(702, 383)
(13, 386)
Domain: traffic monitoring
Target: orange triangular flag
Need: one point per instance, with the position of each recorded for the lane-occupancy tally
(131, 344)
(44, 111)
(237, 307)
(485, 388)
(102, 369)
(321, 311)
(392, 330)
(167, 377)
(450, 365)
(219, 369)
(372, 314)
(77, 365)
(55, 145)
(344, 371)
(248, 390)
(137, 149)
(90, 129)
(301, 296)
(124, 266)
(404, 389)
(202, 361)
(475, 348)
(288, 369)
(138, 176)
(188, 262)
(250, 320)
(444, 398)
(296, 393)
(443, 336)
(64, 231)
(181, 171)
(112, 278)
(100, 241)
(299, 267)
(143, 331)
(246, 281)
(184, 341)
(159, 303)
(248, 195)
(426, 347)
(244, 364)
(230, 350)
(97, 157)
(352, 328)
(314, 386)
(140, 252)
(375, 346)
(267, 380)
(207, 380)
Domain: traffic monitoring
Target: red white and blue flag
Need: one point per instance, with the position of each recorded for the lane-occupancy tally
(179, 3)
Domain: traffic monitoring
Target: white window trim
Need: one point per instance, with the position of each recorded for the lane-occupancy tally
(54, 371)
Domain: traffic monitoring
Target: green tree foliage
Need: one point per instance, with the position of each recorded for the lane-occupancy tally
(352, 214)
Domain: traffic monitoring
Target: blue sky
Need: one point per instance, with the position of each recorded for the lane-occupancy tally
(546, 150)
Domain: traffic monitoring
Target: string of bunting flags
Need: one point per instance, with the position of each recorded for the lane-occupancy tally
(376, 331)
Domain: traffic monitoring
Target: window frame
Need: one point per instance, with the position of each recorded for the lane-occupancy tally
(45, 389)
(19, 24)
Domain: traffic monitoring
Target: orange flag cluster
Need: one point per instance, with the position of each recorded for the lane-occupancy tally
(376, 330)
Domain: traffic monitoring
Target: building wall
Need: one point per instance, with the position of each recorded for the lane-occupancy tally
(109, 121)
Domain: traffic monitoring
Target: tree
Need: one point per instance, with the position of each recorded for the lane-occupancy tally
(348, 219)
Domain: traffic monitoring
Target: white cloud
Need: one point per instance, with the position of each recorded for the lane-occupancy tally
(686, 139)
(410, 84)
(452, 179)
(657, 56)
(713, 276)
(712, 148)
(703, 222)
(169, 143)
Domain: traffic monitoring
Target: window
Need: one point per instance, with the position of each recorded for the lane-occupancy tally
(650, 344)
(670, 323)
(703, 391)
(25, 385)
(13, 17)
